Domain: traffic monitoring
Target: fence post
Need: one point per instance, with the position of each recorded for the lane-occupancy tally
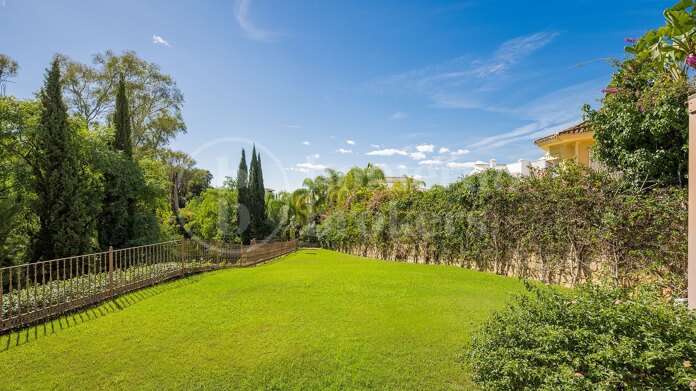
(111, 270)
(181, 255)
(241, 254)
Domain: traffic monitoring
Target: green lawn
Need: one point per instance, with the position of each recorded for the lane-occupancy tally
(314, 319)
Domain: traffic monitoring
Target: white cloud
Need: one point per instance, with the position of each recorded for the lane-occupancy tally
(462, 165)
(434, 162)
(388, 152)
(315, 156)
(417, 155)
(241, 13)
(443, 150)
(460, 152)
(310, 166)
(350, 142)
(3, 3)
(374, 145)
(398, 115)
(160, 41)
(402, 166)
(306, 143)
(344, 151)
(292, 126)
(425, 148)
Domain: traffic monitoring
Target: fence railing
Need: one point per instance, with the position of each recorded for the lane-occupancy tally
(36, 291)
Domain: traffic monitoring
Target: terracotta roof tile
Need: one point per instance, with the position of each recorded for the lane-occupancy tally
(579, 128)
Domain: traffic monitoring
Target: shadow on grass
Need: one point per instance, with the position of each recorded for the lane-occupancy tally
(70, 320)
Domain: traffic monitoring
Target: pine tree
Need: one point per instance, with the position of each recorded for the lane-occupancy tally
(65, 223)
(115, 225)
(243, 210)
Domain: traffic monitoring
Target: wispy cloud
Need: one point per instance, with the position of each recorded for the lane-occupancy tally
(549, 114)
(425, 148)
(344, 151)
(466, 82)
(350, 142)
(241, 13)
(460, 152)
(374, 145)
(398, 115)
(443, 150)
(291, 126)
(306, 143)
(160, 41)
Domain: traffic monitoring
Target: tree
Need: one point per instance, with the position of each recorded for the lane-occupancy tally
(642, 127)
(65, 223)
(124, 136)
(243, 207)
(155, 100)
(8, 70)
(256, 205)
(115, 224)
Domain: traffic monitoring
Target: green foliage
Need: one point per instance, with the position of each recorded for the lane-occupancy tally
(66, 214)
(591, 338)
(212, 215)
(671, 44)
(564, 225)
(642, 127)
(155, 100)
(121, 181)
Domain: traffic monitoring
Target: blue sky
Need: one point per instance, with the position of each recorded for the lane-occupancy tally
(419, 87)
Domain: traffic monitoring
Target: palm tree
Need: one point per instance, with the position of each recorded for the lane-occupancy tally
(407, 185)
(317, 189)
(370, 177)
(334, 182)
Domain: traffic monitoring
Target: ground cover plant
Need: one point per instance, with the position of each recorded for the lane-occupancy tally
(315, 319)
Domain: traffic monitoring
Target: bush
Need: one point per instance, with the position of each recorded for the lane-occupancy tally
(592, 338)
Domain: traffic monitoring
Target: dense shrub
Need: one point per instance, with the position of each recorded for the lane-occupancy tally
(567, 224)
(594, 338)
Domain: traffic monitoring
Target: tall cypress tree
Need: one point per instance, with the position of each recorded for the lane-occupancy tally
(115, 225)
(243, 209)
(123, 141)
(65, 224)
(261, 191)
(253, 194)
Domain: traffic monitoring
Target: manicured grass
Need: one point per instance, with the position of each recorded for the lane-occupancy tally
(313, 320)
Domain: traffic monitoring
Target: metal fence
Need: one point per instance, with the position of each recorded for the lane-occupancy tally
(37, 291)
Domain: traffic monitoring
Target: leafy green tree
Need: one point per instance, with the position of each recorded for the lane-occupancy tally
(18, 121)
(642, 127)
(211, 216)
(155, 99)
(8, 70)
(65, 222)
